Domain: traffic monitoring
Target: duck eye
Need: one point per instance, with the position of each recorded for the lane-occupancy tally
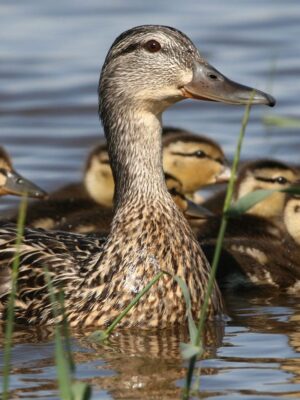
(200, 154)
(152, 46)
(281, 180)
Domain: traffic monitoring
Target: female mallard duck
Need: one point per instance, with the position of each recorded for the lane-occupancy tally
(256, 251)
(193, 160)
(260, 174)
(13, 183)
(147, 69)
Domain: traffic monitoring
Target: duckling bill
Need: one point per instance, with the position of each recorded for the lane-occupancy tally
(11, 182)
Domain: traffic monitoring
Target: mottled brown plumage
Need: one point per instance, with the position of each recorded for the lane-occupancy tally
(148, 233)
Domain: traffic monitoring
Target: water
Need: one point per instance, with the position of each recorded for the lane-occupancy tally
(51, 54)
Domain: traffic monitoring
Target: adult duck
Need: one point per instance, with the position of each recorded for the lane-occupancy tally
(147, 69)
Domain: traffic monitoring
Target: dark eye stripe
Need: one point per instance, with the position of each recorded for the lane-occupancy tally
(270, 180)
(3, 171)
(129, 49)
(178, 153)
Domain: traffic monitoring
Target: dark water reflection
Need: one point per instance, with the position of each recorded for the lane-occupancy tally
(51, 53)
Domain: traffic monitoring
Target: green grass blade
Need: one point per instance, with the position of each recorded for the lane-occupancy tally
(63, 367)
(251, 199)
(191, 323)
(281, 122)
(9, 323)
(81, 391)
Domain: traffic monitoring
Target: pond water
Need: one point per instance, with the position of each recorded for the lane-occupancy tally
(51, 54)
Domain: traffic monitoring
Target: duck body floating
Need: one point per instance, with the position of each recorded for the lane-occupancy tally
(147, 69)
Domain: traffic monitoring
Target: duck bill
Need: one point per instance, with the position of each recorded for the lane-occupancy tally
(209, 84)
(224, 175)
(196, 211)
(17, 185)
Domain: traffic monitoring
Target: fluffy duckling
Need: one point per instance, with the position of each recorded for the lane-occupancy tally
(147, 69)
(13, 183)
(256, 252)
(94, 193)
(261, 174)
(194, 161)
(291, 219)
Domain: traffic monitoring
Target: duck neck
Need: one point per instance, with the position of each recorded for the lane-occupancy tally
(134, 143)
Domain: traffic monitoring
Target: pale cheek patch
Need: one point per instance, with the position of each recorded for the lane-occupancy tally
(2, 180)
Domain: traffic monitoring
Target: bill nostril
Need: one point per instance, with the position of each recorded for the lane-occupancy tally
(213, 77)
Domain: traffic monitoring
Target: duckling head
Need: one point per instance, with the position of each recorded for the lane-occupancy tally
(98, 178)
(13, 183)
(265, 174)
(195, 160)
(187, 206)
(291, 214)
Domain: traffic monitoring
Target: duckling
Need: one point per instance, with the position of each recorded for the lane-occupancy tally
(195, 160)
(13, 183)
(260, 174)
(71, 207)
(96, 191)
(257, 252)
(147, 69)
(291, 216)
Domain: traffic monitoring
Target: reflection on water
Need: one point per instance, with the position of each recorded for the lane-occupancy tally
(256, 355)
(51, 53)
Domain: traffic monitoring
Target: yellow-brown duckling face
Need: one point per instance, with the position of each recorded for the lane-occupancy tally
(291, 214)
(266, 174)
(195, 162)
(98, 177)
(14, 184)
(188, 207)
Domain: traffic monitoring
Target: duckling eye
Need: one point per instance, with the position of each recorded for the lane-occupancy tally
(152, 46)
(281, 180)
(200, 154)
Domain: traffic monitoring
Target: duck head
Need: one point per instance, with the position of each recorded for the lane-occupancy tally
(98, 178)
(11, 182)
(291, 213)
(195, 160)
(265, 174)
(162, 67)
